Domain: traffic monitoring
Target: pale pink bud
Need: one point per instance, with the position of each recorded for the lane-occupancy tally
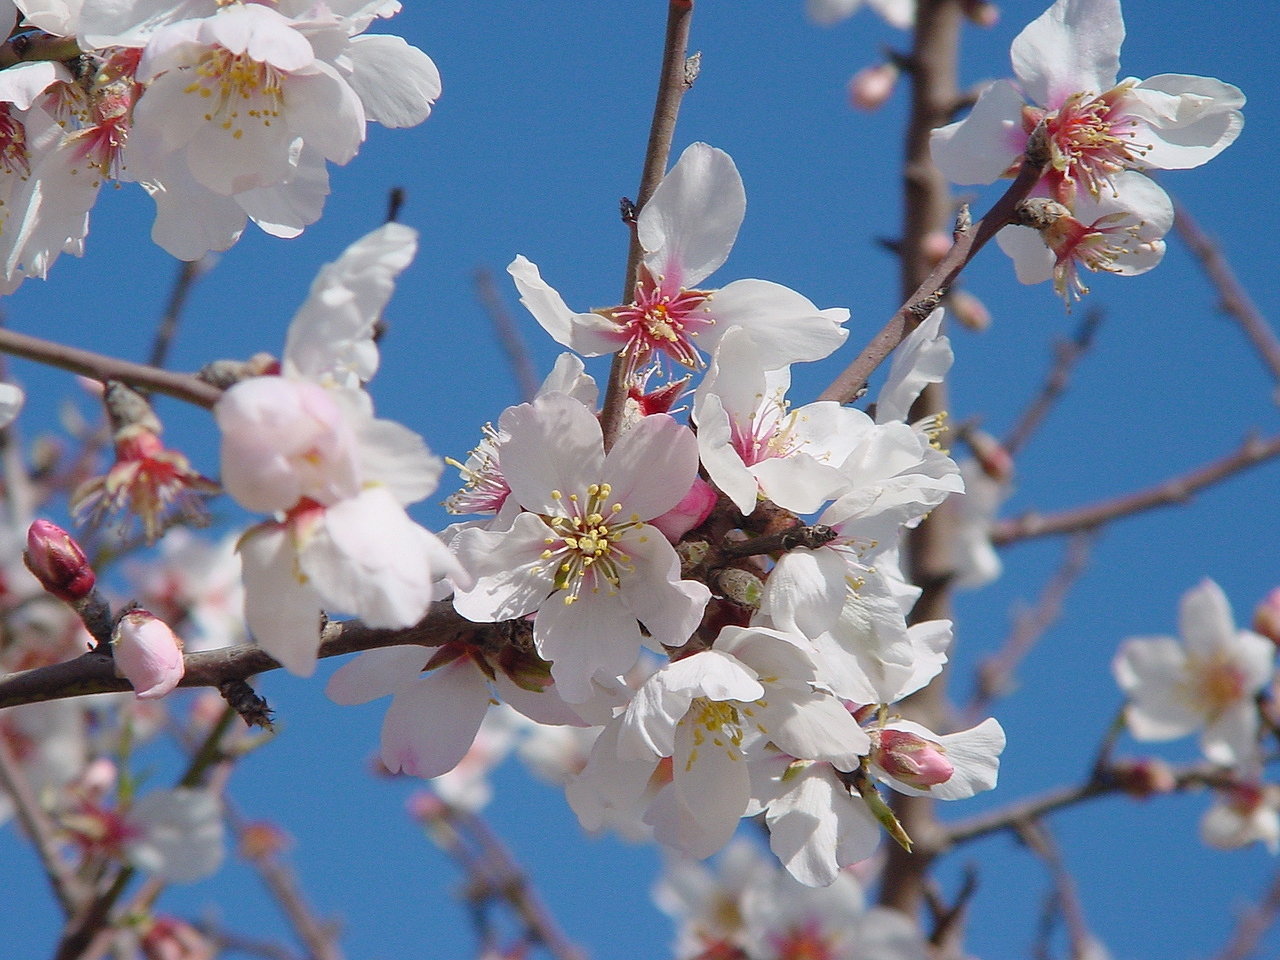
(1266, 619)
(982, 13)
(425, 807)
(917, 762)
(148, 654)
(969, 311)
(1144, 777)
(171, 939)
(992, 457)
(871, 87)
(56, 560)
(689, 512)
(936, 245)
(98, 778)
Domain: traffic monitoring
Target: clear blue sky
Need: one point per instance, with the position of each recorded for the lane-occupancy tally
(540, 131)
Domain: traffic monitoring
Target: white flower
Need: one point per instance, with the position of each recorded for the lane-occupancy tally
(897, 13)
(1243, 814)
(583, 556)
(177, 834)
(1208, 681)
(687, 229)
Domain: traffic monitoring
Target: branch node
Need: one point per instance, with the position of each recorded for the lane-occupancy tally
(252, 708)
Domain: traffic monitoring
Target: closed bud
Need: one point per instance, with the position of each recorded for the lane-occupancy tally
(56, 560)
(982, 13)
(147, 654)
(1266, 619)
(871, 87)
(261, 839)
(1145, 777)
(970, 312)
(935, 247)
(689, 512)
(917, 762)
(992, 457)
(741, 586)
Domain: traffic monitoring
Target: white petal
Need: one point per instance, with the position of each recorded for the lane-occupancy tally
(553, 444)
(924, 357)
(1205, 620)
(396, 82)
(786, 326)
(432, 723)
(587, 333)
(982, 146)
(376, 673)
(689, 224)
(1072, 47)
(280, 605)
(1187, 120)
(651, 467)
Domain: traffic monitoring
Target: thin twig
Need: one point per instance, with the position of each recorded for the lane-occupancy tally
(41, 831)
(848, 386)
(95, 672)
(673, 83)
(513, 344)
(189, 271)
(995, 673)
(1235, 300)
(182, 386)
(1065, 355)
(1173, 491)
(1253, 923)
(1040, 842)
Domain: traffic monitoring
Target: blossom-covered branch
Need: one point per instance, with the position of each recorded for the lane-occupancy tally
(1173, 491)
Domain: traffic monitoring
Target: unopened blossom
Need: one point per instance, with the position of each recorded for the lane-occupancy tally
(686, 230)
(954, 766)
(58, 562)
(871, 87)
(148, 654)
(583, 556)
(1066, 64)
(1207, 682)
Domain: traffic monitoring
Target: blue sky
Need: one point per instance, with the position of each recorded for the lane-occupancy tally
(540, 131)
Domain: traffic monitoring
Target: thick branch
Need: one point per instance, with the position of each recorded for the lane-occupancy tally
(848, 386)
(1235, 300)
(95, 672)
(1173, 491)
(675, 80)
(183, 386)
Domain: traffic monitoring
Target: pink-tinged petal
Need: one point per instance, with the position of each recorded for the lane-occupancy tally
(982, 146)
(326, 113)
(1073, 47)
(511, 579)
(376, 673)
(432, 723)
(1231, 737)
(651, 466)
(670, 608)
(281, 608)
(21, 83)
(1184, 121)
(1205, 620)
(924, 357)
(147, 654)
(786, 326)
(554, 444)
(699, 811)
(689, 224)
(543, 706)
(593, 633)
(694, 508)
(587, 333)
(720, 458)
(396, 82)
(1033, 262)
(805, 591)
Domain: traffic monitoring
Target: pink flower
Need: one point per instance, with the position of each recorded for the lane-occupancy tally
(148, 654)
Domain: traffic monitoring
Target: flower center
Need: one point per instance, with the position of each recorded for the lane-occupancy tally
(13, 143)
(1087, 142)
(585, 545)
(1095, 246)
(484, 487)
(238, 89)
(768, 434)
(717, 722)
(1219, 684)
(804, 942)
(663, 318)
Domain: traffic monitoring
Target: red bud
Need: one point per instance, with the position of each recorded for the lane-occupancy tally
(56, 560)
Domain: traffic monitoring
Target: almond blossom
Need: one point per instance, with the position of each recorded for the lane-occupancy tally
(1208, 682)
(898, 13)
(582, 556)
(686, 230)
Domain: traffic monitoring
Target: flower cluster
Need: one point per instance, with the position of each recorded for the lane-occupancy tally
(223, 112)
(1098, 210)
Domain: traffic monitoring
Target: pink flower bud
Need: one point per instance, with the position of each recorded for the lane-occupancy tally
(261, 839)
(992, 457)
(56, 560)
(935, 247)
(871, 87)
(147, 654)
(689, 512)
(1266, 619)
(981, 13)
(1145, 777)
(969, 311)
(915, 761)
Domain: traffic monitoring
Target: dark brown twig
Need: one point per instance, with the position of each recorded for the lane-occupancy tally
(188, 273)
(182, 386)
(1173, 491)
(675, 80)
(1065, 355)
(513, 344)
(1235, 300)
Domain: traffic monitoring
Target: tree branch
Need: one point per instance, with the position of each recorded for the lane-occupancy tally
(1234, 299)
(182, 386)
(513, 344)
(675, 80)
(1173, 491)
